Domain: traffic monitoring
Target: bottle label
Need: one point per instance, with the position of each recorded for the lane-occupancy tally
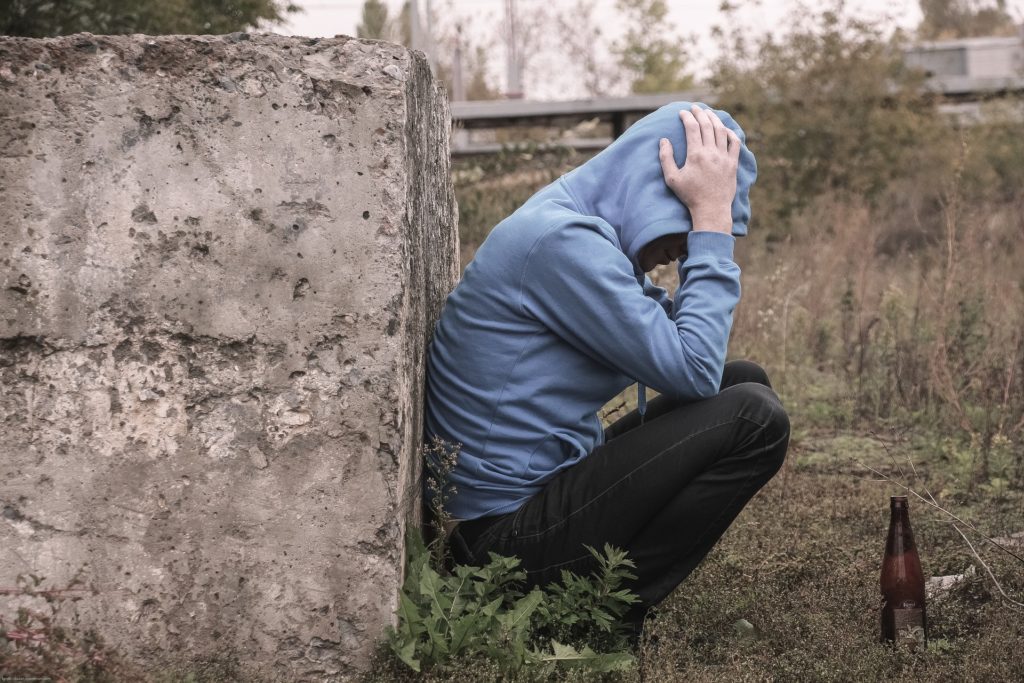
(909, 625)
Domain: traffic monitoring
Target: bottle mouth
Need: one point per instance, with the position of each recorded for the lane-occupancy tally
(898, 501)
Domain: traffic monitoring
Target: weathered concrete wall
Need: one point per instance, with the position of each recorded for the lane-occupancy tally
(220, 259)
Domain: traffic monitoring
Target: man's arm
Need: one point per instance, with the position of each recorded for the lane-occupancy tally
(659, 294)
(582, 287)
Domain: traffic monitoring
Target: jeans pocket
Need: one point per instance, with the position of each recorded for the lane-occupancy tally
(517, 521)
(495, 538)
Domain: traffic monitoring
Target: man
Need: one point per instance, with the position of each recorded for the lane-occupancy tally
(555, 316)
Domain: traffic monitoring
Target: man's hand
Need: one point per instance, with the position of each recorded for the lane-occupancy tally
(706, 183)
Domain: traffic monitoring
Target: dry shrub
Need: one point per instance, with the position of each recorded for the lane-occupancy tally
(918, 321)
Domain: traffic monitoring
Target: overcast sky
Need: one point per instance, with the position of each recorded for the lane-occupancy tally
(332, 17)
(484, 19)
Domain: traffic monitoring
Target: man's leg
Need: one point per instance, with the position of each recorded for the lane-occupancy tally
(664, 491)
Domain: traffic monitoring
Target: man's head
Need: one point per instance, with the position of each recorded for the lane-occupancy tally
(662, 251)
(625, 185)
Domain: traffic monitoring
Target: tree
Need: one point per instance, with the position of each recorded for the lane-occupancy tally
(649, 53)
(374, 22)
(449, 38)
(946, 19)
(401, 26)
(580, 42)
(478, 87)
(475, 68)
(378, 23)
(526, 35)
(47, 18)
(830, 109)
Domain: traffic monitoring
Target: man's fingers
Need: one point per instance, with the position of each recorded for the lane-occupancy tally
(668, 162)
(707, 129)
(734, 145)
(691, 127)
(721, 132)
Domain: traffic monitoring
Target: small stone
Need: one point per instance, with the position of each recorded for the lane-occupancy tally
(745, 630)
(259, 460)
(394, 72)
(142, 214)
(938, 586)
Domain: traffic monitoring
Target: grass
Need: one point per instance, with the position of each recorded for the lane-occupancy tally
(801, 564)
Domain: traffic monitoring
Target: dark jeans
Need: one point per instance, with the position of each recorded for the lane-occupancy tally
(665, 490)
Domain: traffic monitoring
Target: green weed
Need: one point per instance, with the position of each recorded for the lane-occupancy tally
(450, 614)
(481, 613)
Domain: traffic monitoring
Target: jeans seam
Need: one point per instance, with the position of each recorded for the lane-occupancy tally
(739, 489)
(632, 472)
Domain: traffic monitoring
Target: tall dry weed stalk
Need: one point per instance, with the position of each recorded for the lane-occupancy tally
(942, 375)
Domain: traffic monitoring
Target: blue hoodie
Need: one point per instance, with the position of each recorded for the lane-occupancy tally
(554, 317)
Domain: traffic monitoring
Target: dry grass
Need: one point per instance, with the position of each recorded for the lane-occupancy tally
(802, 564)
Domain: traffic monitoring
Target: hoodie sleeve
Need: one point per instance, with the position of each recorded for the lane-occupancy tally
(582, 287)
(659, 294)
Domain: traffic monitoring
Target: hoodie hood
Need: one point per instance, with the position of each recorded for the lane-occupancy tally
(624, 184)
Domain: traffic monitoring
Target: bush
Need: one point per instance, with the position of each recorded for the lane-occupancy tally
(831, 110)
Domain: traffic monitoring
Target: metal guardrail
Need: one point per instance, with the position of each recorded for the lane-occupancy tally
(504, 113)
(617, 111)
(961, 91)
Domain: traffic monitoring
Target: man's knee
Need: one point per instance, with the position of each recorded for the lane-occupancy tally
(742, 371)
(760, 405)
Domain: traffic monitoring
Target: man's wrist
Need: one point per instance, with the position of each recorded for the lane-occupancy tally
(713, 221)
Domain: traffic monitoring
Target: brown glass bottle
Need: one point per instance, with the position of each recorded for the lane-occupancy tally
(904, 620)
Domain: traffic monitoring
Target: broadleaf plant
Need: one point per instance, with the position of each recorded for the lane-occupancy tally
(483, 612)
(449, 613)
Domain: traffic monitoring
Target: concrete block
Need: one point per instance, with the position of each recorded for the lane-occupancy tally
(220, 261)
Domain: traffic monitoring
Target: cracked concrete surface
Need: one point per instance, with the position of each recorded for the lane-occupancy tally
(220, 260)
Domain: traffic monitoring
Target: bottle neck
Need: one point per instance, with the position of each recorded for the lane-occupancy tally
(901, 538)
